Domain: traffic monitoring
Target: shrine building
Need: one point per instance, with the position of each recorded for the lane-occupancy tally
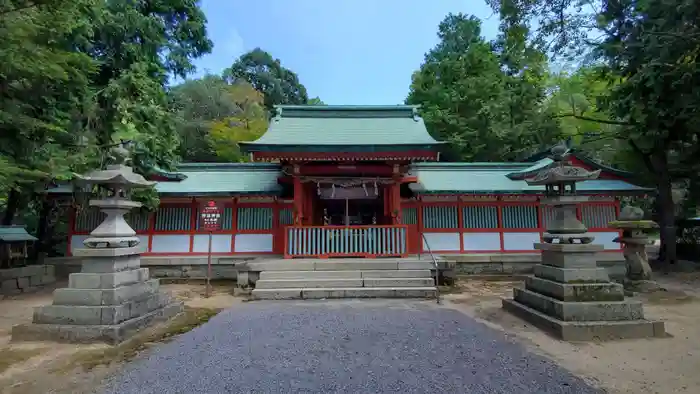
(358, 181)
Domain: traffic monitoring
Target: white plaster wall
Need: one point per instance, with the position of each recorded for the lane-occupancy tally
(220, 243)
(442, 242)
(520, 241)
(76, 242)
(481, 241)
(253, 243)
(173, 243)
(606, 239)
(143, 244)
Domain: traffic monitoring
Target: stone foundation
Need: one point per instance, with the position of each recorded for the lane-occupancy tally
(25, 279)
(110, 299)
(572, 298)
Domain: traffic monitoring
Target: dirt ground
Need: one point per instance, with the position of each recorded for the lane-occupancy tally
(662, 365)
(667, 365)
(39, 367)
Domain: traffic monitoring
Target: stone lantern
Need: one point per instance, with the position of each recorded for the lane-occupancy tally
(569, 295)
(634, 239)
(112, 297)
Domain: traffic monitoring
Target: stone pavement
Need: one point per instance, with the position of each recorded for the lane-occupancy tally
(359, 346)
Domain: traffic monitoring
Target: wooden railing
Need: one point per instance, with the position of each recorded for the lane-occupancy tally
(340, 241)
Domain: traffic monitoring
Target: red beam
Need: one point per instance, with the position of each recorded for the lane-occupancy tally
(347, 156)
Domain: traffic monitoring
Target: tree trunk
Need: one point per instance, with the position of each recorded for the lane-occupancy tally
(667, 208)
(42, 231)
(12, 206)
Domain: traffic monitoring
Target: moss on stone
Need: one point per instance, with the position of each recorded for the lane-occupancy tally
(633, 224)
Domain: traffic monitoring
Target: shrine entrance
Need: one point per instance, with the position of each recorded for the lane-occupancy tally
(352, 212)
(348, 220)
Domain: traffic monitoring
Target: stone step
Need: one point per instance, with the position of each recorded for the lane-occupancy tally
(307, 283)
(402, 273)
(276, 275)
(370, 265)
(399, 282)
(337, 265)
(348, 292)
(321, 283)
(269, 275)
(580, 311)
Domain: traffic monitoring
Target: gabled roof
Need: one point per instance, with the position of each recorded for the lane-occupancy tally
(329, 128)
(493, 178)
(583, 158)
(15, 234)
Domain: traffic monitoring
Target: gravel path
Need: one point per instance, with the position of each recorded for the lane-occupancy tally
(343, 347)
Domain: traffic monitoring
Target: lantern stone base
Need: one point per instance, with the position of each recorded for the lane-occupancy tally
(111, 298)
(581, 331)
(573, 299)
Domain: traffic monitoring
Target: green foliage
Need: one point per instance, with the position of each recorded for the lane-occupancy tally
(41, 82)
(484, 98)
(279, 85)
(197, 103)
(648, 53)
(315, 101)
(247, 124)
(79, 76)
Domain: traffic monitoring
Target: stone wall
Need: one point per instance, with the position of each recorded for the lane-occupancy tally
(25, 279)
(223, 267)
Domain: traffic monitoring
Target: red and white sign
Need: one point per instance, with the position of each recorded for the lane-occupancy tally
(210, 216)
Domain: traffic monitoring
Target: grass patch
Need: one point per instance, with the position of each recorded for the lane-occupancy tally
(131, 348)
(11, 357)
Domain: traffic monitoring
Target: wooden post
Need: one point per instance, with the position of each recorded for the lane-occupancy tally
(298, 199)
(208, 289)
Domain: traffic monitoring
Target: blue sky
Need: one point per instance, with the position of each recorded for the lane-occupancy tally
(344, 51)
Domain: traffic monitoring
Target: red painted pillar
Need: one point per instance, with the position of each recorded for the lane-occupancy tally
(396, 202)
(298, 201)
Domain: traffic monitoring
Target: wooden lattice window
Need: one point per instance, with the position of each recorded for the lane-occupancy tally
(254, 218)
(598, 216)
(88, 219)
(173, 219)
(409, 215)
(286, 217)
(519, 216)
(440, 217)
(482, 216)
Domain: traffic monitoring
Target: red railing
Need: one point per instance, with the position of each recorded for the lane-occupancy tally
(345, 241)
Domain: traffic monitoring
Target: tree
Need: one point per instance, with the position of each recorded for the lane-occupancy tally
(649, 49)
(315, 101)
(475, 95)
(198, 103)
(79, 76)
(279, 85)
(247, 124)
(42, 82)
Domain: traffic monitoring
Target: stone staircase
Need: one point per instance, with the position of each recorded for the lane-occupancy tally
(346, 278)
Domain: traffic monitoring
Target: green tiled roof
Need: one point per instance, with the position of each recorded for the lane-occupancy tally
(223, 179)
(483, 178)
(208, 179)
(321, 128)
(15, 234)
